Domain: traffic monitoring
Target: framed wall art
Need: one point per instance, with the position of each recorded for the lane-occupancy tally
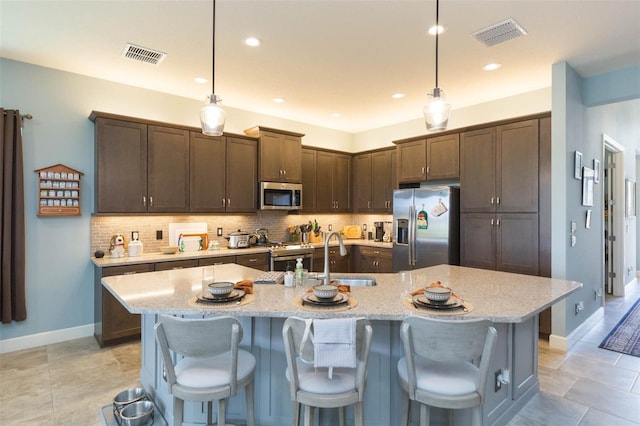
(577, 165)
(587, 186)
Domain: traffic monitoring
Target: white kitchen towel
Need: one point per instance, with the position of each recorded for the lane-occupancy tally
(334, 342)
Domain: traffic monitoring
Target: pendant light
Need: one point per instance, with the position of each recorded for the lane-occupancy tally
(212, 117)
(436, 111)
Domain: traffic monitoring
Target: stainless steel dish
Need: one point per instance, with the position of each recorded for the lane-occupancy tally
(127, 397)
(137, 414)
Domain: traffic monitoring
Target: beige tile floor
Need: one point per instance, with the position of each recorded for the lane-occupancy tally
(67, 383)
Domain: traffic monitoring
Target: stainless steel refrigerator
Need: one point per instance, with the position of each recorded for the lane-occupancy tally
(426, 227)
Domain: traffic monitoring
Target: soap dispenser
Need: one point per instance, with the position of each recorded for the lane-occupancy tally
(299, 271)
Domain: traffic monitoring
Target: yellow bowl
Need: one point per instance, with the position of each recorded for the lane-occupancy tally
(169, 249)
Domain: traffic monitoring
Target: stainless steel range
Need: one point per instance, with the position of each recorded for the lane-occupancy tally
(284, 255)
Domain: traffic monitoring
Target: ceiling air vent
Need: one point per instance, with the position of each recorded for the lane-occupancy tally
(143, 54)
(499, 33)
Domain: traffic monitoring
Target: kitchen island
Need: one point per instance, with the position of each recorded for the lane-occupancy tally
(511, 301)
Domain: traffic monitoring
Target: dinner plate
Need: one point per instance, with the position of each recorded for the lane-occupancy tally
(421, 300)
(312, 299)
(236, 294)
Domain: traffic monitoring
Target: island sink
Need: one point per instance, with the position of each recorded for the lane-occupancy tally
(354, 281)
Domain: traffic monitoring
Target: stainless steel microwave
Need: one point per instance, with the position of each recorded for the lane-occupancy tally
(280, 196)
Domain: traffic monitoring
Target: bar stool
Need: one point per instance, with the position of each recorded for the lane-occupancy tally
(312, 386)
(446, 365)
(210, 366)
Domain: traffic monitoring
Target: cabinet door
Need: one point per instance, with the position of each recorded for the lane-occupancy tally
(412, 161)
(517, 167)
(324, 182)
(443, 157)
(256, 261)
(478, 170)
(383, 180)
(121, 163)
(517, 243)
(280, 158)
(206, 173)
(362, 184)
(270, 169)
(291, 153)
(477, 240)
(241, 175)
(342, 182)
(168, 170)
(308, 180)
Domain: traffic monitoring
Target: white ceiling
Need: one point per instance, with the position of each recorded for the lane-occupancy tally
(324, 56)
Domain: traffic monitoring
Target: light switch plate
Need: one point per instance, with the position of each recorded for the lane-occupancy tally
(573, 241)
(574, 226)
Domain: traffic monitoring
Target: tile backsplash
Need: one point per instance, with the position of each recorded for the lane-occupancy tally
(104, 227)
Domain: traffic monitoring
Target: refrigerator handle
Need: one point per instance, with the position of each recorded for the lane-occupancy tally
(412, 236)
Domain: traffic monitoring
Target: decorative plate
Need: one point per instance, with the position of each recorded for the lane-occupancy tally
(235, 295)
(312, 299)
(422, 301)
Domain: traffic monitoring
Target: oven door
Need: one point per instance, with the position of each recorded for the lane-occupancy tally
(288, 263)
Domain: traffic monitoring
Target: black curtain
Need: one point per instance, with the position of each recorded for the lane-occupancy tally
(12, 233)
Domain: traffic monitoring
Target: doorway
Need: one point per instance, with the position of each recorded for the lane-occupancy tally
(613, 235)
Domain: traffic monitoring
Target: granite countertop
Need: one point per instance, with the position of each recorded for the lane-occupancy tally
(497, 296)
(154, 257)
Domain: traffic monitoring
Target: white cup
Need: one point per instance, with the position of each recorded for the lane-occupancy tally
(288, 279)
(208, 276)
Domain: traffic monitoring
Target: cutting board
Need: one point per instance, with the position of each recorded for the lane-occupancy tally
(352, 231)
(177, 229)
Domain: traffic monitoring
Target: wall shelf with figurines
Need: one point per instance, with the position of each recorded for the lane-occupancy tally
(58, 191)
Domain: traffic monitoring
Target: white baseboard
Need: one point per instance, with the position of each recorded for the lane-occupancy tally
(562, 343)
(41, 339)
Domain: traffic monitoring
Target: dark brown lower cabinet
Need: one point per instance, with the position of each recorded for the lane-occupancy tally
(113, 323)
(337, 263)
(256, 261)
(503, 242)
(372, 260)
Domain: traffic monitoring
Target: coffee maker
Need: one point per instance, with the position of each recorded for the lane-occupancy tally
(379, 226)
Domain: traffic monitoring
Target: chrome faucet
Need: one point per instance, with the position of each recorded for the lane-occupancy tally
(343, 252)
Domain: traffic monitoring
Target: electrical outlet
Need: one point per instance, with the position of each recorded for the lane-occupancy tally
(496, 381)
(219, 232)
(159, 234)
(579, 307)
(330, 228)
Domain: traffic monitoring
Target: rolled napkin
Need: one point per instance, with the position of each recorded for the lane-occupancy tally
(244, 285)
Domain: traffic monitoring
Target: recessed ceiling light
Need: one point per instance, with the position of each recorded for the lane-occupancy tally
(492, 66)
(336, 114)
(200, 80)
(252, 41)
(440, 29)
(398, 95)
(278, 100)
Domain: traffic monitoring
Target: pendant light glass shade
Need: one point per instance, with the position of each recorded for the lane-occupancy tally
(212, 117)
(436, 111)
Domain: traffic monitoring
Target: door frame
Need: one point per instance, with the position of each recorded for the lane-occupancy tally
(617, 152)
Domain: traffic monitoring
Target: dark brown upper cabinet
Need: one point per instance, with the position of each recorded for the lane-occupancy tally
(279, 154)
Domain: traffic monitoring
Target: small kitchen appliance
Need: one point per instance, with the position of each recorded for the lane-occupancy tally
(280, 196)
(238, 240)
(379, 234)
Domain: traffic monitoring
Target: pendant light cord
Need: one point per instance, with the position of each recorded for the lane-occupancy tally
(437, 32)
(213, 49)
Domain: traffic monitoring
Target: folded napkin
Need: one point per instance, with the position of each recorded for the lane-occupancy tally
(334, 342)
(244, 285)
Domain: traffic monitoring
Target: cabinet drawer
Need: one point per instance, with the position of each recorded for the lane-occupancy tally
(127, 269)
(252, 260)
(176, 264)
(375, 251)
(218, 260)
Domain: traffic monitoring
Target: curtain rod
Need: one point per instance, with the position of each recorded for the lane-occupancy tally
(23, 116)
